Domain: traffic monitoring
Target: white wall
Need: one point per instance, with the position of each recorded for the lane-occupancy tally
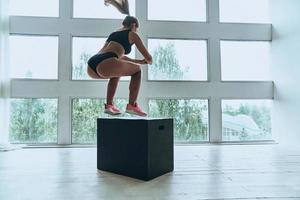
(286, 70)
(4, 71)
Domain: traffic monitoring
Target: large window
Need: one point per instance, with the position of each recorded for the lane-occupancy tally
(210, 69)
(33, 121)
(33, 57)
(174, 60)
(44, 8)
(189, 10)
(245, 11)
(97, 9)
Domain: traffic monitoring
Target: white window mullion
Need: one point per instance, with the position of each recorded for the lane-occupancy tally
(65, 9)
(214, 76)
(213, 11)
(215, 120)
(142, 15)
(64, 120)
(141, 10)
(143, 94)
(64, 75)
(214, 63)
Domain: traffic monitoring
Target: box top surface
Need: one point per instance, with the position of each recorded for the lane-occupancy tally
(136, 118)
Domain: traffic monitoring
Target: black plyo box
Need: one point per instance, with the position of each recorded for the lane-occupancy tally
(141, 148)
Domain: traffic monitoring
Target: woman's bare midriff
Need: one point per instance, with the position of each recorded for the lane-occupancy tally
(114, 47)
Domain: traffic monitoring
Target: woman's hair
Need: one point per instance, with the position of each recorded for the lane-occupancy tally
(130, 20)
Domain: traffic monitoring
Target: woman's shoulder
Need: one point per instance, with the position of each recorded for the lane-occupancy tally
(134, 34)
(133, 37)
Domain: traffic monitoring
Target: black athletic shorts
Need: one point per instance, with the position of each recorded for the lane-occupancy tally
(94, 61)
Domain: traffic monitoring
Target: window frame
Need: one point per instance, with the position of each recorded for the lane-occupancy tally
(214, 89)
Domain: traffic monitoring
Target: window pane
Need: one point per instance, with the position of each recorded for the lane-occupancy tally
(44, 8)
(245, 11)
(174, 60)
(190, 116)
(97, 9)
(33, 121)
(189, 10)
(245, 60)
(246, 120)
(34, 57)
(84, 118)
(83, 49)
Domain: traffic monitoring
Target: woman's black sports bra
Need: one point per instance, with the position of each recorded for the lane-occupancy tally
(121, 37)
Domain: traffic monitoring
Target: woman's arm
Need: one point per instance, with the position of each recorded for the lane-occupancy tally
(141, 47)
(143, 61)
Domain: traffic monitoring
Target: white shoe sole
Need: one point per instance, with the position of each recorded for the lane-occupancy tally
(134, 113)
(111, 113)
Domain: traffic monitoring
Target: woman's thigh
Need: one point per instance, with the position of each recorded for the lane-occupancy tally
(93, 74)
(114, 67)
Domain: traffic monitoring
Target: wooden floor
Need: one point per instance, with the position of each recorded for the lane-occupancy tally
(201, 172)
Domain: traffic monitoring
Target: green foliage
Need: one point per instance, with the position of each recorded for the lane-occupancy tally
(189, 125)
(33, 121)
(165, 64)
(84, 118)
(188, 117)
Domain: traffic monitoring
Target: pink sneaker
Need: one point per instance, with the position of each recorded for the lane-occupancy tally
(135, 110)
(111, 110)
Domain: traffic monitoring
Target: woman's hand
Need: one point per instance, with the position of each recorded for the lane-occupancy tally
(141, 47)
(137, 61)
(149, 60)
(142, 62)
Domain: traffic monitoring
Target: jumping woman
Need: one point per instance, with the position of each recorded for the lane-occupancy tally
(111, 63)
